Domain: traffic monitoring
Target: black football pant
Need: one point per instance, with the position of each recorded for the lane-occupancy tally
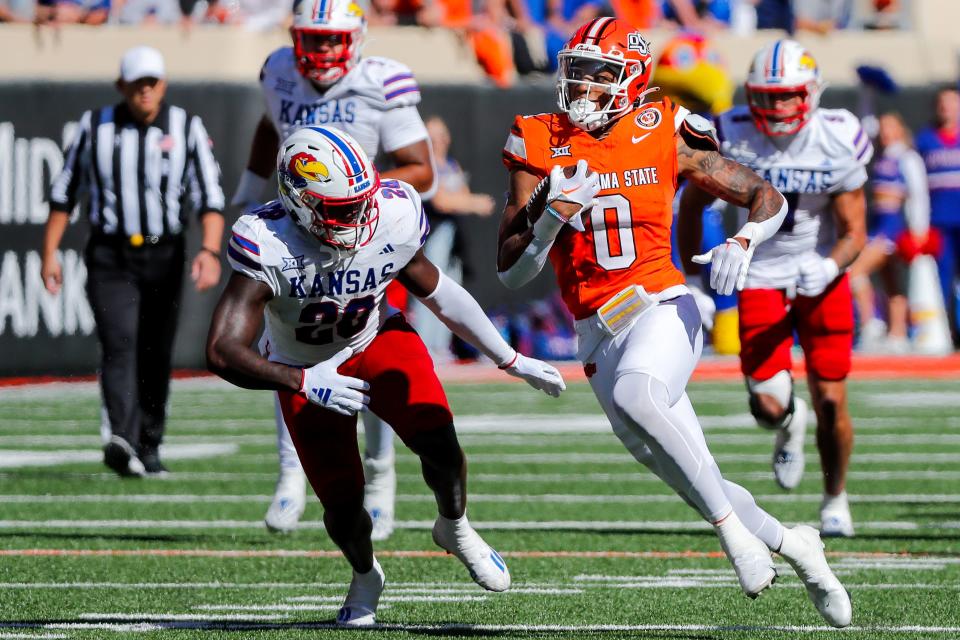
(135, 296)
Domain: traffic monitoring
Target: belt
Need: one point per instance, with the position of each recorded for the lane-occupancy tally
(592, 329)
(136, 241)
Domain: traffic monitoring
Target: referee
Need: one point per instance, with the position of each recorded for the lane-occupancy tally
(139, 166)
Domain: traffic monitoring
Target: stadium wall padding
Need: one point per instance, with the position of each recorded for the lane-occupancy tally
(55, 336)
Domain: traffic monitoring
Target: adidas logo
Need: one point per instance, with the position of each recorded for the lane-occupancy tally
(387, 249)
(323, 395)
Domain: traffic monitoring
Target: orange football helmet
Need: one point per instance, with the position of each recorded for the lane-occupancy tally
(608, 55)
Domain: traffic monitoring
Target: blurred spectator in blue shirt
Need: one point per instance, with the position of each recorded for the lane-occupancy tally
(775, 14)
(696, 15)
(93, 12)
(939, 145)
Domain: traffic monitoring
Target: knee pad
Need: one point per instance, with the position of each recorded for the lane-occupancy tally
(780, 387)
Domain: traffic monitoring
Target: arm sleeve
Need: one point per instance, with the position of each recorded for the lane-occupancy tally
(204, 174)
(463, 315)
(66, 186)
(916, 208)
(247, 255)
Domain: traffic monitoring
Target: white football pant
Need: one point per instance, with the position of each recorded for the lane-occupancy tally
(640, 381)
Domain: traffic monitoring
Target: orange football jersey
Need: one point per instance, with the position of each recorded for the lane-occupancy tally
(627, 238)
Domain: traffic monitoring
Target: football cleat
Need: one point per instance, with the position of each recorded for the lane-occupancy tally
(120, 456)
(835, 519)
(486, 566)
(803, 550)
(289, 502)
(379, 494)
(749, 556)
(788, 458)
(360, 607)
(152, 465)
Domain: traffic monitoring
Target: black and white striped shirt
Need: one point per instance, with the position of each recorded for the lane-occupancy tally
(139, 180)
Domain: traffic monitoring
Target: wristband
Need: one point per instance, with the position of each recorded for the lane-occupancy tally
(215, 254)
(513, 361)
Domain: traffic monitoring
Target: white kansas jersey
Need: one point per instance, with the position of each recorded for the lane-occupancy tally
(325, 300)
(826, 157)
(375, 103)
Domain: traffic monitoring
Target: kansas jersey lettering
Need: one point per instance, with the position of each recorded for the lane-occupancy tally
(323, 300)
(375, 102)
(826, 157)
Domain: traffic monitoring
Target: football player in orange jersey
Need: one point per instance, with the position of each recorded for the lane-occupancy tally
(607, 234)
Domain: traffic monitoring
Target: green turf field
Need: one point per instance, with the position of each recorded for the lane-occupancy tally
(86, 555)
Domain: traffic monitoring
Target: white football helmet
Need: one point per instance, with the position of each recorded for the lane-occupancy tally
(779, 71)
(327, 38)
(329, 186)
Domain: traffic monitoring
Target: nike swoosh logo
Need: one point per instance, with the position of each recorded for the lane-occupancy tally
(635, 139)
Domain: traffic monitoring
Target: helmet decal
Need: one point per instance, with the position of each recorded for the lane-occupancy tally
(306, 167)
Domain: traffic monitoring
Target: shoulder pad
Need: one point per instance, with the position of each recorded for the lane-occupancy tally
(845, 128)
(278, 62)
(698, 133)
(394, 79)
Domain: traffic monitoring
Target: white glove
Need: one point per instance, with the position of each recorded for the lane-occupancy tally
(705, 303)
(816, 274)
(579, 189)
(325, 387)
(537, 374)
(729, 263)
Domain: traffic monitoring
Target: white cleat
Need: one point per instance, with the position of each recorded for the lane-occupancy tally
(360, 607)
(749, 556)
(379, 494)
(803, 549)
(486, 566)
(788, 458)
(835, 519)
(289, 502)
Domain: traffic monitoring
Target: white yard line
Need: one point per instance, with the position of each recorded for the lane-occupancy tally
(499, 439)
(504, 525)
(207, 622)
(554, 498)
(10, 459)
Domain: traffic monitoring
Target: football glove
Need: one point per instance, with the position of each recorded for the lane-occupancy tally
(537, 374)
(729, 263)
(816, 274)
(323, 386)
(579, 189)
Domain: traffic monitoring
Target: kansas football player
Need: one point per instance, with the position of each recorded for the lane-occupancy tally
(322, 80)
(313, 266)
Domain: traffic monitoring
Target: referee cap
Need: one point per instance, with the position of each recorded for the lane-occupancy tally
(141, 62)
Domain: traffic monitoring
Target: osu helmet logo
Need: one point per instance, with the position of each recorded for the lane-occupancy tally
(304, 166)
(636, 42)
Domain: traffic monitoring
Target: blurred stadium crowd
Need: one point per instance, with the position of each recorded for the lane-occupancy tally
(510, 38)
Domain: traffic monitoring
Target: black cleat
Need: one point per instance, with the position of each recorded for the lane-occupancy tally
(120, 456)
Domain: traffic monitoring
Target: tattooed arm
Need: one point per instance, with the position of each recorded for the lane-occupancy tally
(710, 173)
(850, 210)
